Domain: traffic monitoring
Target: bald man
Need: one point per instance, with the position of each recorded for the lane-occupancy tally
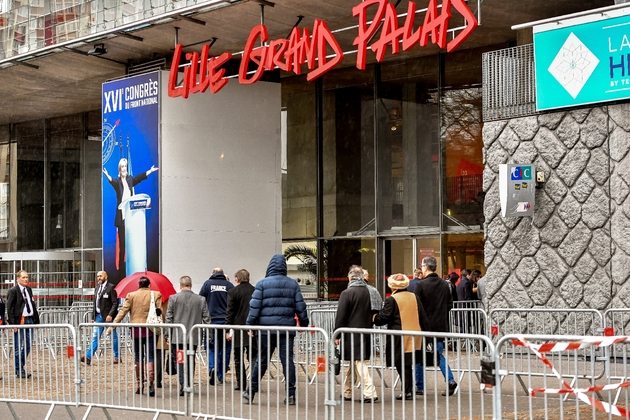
(215, 291)
(105, 309)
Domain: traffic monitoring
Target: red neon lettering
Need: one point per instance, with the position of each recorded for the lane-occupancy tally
(390, 34)
(209, 73)
(322, 37)
(173, 90)
(471, 24)
(300, 49)
(277, 48)
(436, 24)
(217, 81)
(366, 32)
(256, 55)
(410, 38)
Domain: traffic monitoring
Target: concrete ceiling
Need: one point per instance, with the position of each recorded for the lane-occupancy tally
(70, 82)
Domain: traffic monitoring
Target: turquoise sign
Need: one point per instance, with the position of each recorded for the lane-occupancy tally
(583, 63)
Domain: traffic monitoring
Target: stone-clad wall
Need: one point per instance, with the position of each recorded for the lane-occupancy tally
(575, 251)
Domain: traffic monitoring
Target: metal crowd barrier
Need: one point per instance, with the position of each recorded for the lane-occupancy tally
(349, 399)
(590, 380)
(576, 322)
(45, 378)
(126, 384)
(567, 384)
(224, 401)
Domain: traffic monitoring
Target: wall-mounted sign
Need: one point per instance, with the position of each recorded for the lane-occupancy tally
(583, 60)
(517, 190)
(313, 49)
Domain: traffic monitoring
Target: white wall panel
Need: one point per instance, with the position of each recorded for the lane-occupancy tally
(220, 181)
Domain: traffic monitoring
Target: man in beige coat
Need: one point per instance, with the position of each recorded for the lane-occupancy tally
(137, 304)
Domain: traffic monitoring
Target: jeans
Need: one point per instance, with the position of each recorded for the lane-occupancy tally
(219, 345)
(143, 349)
(22, 346)
(443, 367)
(98, 331)
(268, 343)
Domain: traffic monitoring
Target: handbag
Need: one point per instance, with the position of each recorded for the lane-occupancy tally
(338, 361)
(430, 355)
(153, 317)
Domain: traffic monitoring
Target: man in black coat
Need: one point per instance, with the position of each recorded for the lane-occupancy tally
(435, 295)
(236, 314)
(105, 309)
(355, 311)
(21, 310)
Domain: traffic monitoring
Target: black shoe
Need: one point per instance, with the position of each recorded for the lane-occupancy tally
(86, 360)
(407, 396)
(248, 397)
(181, 391)
(452, 387)
(419, 392)
(290, 400)
(158, 385)
(23, 375)
(237, 387)
(347, 398)
(370, 400)
(211, 377)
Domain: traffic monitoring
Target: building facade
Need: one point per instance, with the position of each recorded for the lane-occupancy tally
(379, 166)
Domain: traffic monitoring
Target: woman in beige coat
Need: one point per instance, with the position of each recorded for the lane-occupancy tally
(137, 304)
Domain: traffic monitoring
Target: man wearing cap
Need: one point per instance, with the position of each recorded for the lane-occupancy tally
(105, 309)
(21, 310)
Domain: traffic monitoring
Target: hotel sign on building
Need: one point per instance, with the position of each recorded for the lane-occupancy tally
(583, 60)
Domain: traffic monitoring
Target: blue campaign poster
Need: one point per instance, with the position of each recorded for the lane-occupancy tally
(131, 188)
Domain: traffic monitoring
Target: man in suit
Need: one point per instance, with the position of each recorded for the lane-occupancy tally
(21, 310)
(237, 311)
(105, 310)
(188, 309)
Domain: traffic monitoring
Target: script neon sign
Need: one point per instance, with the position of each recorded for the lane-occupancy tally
(304, 48)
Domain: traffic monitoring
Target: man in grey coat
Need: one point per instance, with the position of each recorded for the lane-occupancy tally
(189, 309)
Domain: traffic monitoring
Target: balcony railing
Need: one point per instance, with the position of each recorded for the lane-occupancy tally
(33, 26)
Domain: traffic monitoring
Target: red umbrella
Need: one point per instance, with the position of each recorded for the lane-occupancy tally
(159, 283)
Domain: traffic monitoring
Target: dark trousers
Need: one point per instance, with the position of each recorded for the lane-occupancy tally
(239, 360)
(180, 367)
(406, 375)
(268, 343)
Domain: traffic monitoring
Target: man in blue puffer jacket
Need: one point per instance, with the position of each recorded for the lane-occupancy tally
(276, 302)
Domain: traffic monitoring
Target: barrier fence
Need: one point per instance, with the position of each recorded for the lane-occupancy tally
(528, 365)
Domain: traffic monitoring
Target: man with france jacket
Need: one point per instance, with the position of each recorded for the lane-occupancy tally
(276, 302)
(21, 310)
(215, 291)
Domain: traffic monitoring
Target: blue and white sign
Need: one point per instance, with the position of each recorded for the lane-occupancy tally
(131, 186)
(583, 60)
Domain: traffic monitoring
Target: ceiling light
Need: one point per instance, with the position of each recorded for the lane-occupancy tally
(99, 49)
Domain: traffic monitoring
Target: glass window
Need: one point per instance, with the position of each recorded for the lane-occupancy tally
(92, 202)
(339, 255)
(64, 198)
(348, 122)
(30, 185)
(462, 124)
(299, 151)
(408, 148)
(5, 190)
(463, 251)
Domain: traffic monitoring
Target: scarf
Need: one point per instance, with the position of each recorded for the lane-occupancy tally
(376, 302)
